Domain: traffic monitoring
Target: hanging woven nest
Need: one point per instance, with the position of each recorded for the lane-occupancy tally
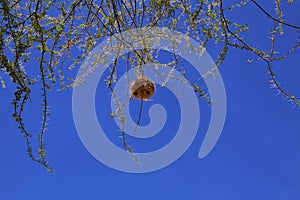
(142, 88)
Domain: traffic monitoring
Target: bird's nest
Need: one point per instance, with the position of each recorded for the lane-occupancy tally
(142, 88)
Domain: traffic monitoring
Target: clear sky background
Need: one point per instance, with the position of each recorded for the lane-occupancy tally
(256, 157)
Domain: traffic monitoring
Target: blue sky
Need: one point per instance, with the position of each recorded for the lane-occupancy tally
(256, 157)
